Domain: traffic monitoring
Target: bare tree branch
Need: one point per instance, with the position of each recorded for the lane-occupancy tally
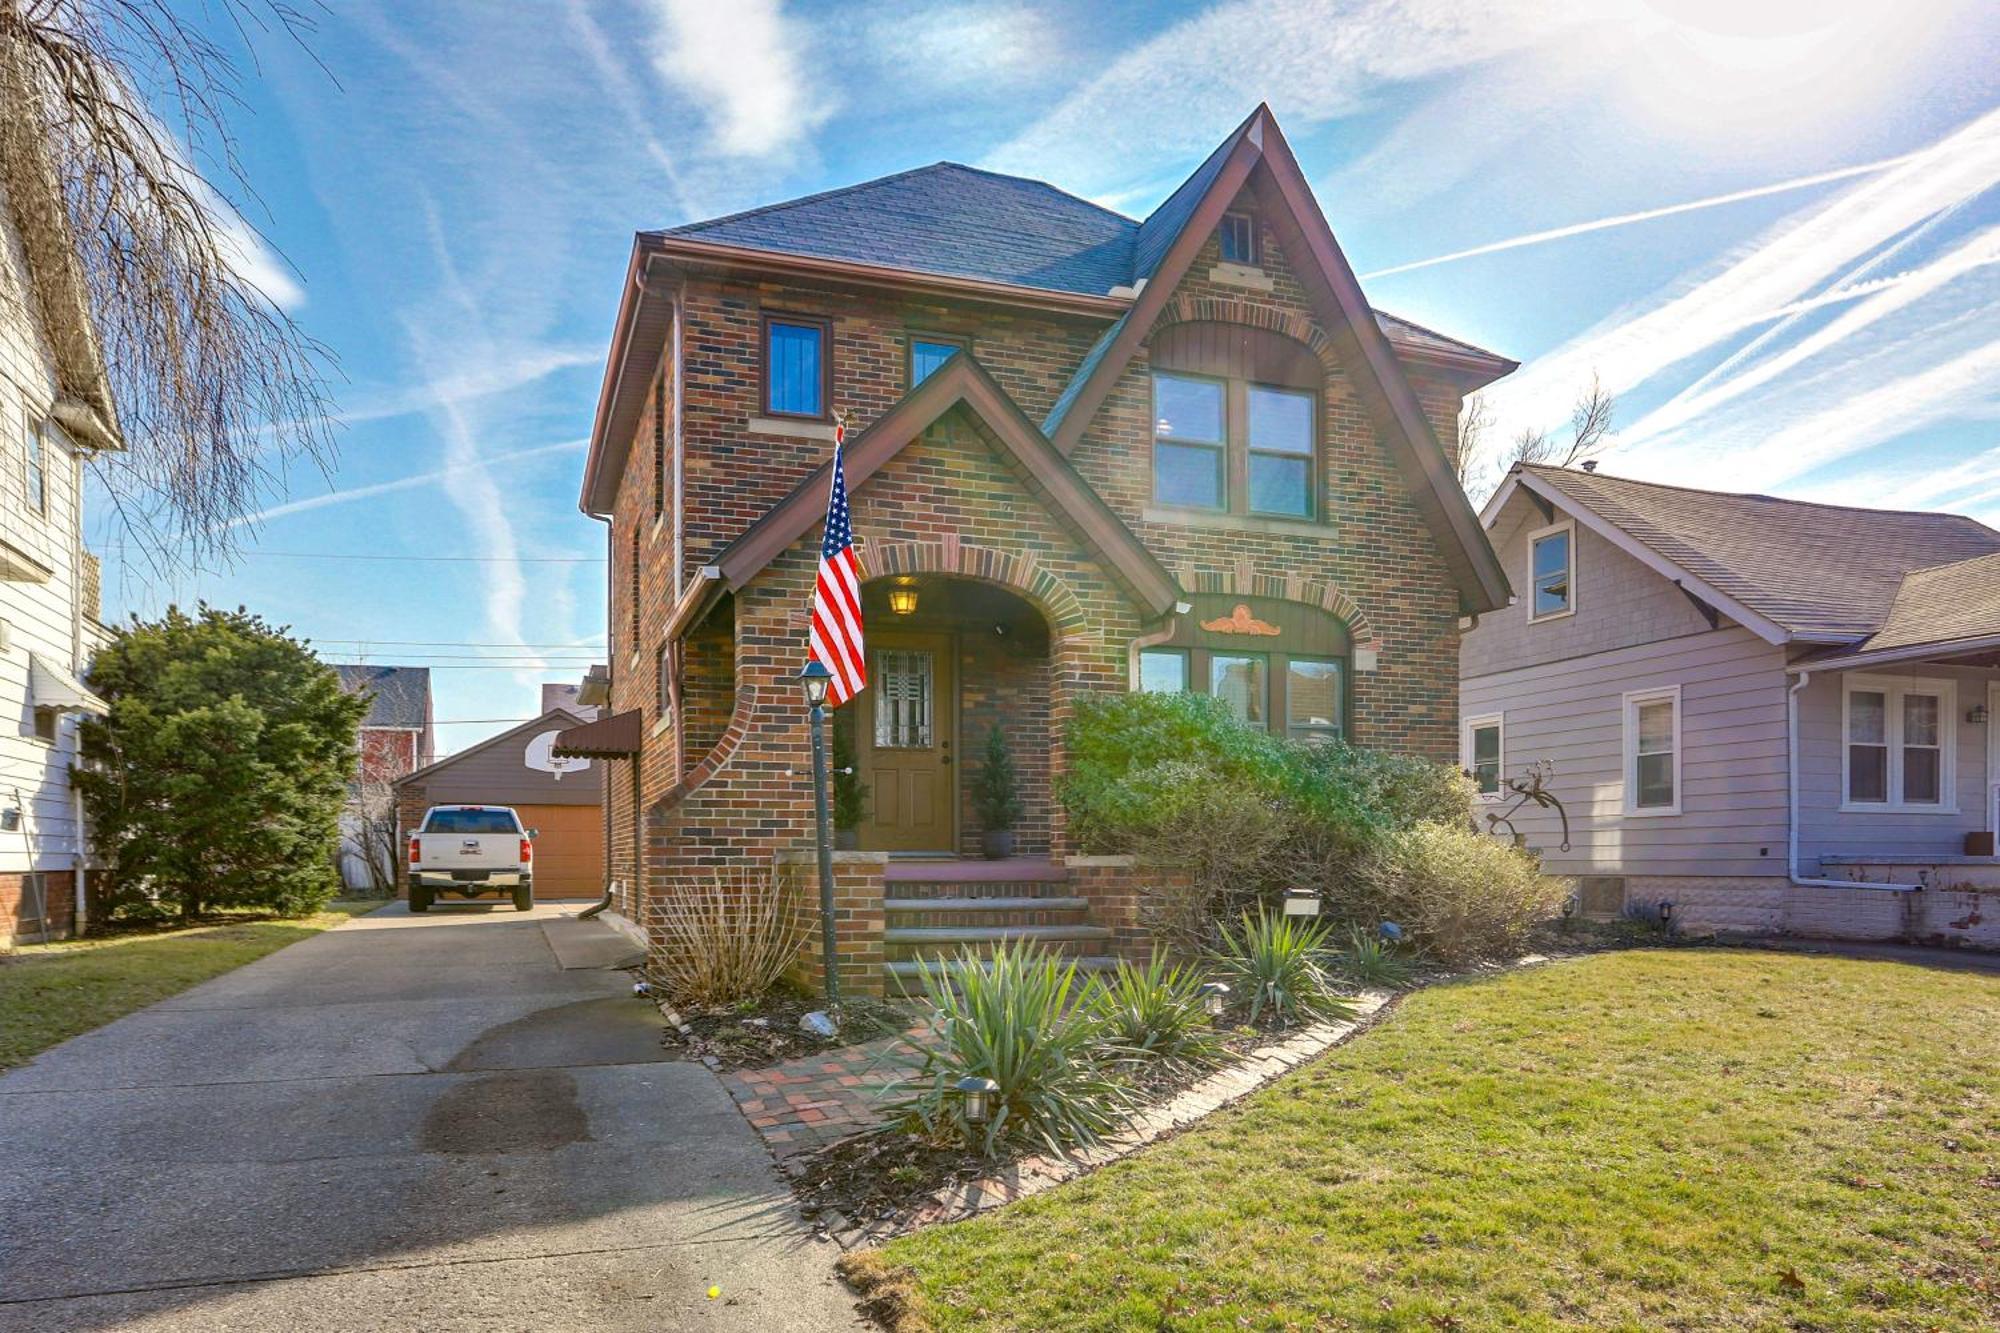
(1475, 423)
(1589, 432)
(216, 389)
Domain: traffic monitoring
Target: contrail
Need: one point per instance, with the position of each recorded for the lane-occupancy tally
(402, 483)
(1626, 219)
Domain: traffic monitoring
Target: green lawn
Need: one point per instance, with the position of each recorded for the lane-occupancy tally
(1645, 1140)
(52, 992)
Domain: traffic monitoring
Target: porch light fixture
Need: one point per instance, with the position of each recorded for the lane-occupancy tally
(903, 598)
(814, 679)
(1214, 997)
(976, 1096)
(1976, 714)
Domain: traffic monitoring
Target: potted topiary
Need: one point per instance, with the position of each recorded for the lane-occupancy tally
(996, 797)
(850, 795)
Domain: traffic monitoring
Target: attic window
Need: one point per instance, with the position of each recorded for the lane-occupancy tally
(1238, 235)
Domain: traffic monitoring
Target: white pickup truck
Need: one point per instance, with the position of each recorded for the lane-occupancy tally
(472, 851)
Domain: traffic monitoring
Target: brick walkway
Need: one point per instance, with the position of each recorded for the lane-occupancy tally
(804, 1104)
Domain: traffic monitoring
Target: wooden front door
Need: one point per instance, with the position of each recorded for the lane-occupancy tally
(909, 718)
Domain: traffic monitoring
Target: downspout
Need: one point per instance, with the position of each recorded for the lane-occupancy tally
(79, 851)
(1792, 816)
(604, 787)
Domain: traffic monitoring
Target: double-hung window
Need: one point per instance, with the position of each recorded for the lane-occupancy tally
(1190, 447)
(1482, 753)
(1653, 751)
(1281, 451)
(1898, 744)
(796, 366)
(1552, 572)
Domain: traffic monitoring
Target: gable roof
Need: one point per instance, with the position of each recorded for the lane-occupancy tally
(1943, 604)
(556, 717)
(1256, 156)
(1789, 569)
(402, 694)
(962, 383)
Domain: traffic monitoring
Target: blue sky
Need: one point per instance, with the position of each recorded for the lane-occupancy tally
(456, 205)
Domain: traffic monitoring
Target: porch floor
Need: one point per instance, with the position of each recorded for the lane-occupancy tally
(945, 870)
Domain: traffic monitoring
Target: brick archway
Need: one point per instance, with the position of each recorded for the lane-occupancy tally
(1184, 309)
(1019, 574)
(1244, 581)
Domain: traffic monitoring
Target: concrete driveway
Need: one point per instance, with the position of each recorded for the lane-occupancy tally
(406, 1122)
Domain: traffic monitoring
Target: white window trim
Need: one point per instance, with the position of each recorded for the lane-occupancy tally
(1630, 771)
(1465, 755)
(1893, 689)
(1567, 525)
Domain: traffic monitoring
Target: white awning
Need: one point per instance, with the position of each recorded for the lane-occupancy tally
(49, 686)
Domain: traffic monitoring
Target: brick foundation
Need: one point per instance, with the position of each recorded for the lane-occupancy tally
(28, 916)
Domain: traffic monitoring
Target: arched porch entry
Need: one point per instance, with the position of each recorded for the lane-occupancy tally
(950, 657)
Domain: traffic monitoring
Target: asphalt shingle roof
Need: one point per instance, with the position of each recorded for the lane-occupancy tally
(1945, 602)
(959, 221)
(1811, 568)
(402, 694)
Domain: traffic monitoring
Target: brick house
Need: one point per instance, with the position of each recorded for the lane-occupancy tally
(1085, 453)
(397, 737)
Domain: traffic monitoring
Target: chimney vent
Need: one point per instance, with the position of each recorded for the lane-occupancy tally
(1589, 465)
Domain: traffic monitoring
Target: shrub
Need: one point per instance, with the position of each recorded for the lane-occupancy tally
(1272, 962)
(218, 777)
(730, 939)
(1155, 1013)
(1016, 1020)
(1467, 896)
(1370, 960)
(1223, 837)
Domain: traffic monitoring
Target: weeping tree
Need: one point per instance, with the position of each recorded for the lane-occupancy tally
(113, 142)
(218, 777)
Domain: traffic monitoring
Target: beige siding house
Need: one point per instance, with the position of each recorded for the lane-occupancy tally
(1775, 716)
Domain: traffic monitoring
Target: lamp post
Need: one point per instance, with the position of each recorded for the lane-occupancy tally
(814, 679)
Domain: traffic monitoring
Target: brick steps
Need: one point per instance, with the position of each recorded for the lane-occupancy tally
(937, 911)
(949, 935)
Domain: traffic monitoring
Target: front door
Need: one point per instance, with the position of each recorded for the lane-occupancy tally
(909, 716)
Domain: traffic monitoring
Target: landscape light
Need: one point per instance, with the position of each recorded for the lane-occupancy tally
(977, 1095)
(1214, 996)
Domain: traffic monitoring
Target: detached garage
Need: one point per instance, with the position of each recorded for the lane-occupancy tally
(561, 799)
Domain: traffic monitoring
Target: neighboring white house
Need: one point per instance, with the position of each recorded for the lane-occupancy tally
(54, 407)
(1775, 715)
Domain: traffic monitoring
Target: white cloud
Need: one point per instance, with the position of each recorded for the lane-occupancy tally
(979, 49)
(742, 65)
(502, 372)
(1181, 91)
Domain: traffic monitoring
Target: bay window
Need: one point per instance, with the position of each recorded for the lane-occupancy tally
(1897, 744)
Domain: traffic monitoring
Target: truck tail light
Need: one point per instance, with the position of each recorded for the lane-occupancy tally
(416, 851)
(527, 851)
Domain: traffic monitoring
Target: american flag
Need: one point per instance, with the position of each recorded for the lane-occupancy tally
(836, 619)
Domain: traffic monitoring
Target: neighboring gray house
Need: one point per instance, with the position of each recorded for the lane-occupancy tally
(1775, 715)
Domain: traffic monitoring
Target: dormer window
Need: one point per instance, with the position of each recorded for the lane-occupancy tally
(1238, 235)
(1552, 572)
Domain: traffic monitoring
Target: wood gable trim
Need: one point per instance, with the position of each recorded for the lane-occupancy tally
(1043, 471)
(1366, 352)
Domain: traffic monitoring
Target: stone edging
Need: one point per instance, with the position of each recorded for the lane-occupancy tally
(1031, 1175)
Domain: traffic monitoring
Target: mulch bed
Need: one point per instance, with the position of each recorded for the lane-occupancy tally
(881, 1175)
(767, 1032)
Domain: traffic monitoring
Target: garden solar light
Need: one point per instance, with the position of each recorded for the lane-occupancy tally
(814, 678)
(1214, 995)
(1569, 906)
(977, 1094)
(1666, 913)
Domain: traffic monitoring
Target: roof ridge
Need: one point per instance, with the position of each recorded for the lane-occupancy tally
(1759, 495)
(1949, 564)
(783, 204)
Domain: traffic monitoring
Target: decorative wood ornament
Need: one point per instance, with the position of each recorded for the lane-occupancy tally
(1240, 621)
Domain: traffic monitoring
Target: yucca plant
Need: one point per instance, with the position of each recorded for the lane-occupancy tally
(1155, 1013)
(1273, 962)
(1015, 1018)
(1370, 960)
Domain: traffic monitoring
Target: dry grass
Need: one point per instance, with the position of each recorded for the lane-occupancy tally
(730, 938)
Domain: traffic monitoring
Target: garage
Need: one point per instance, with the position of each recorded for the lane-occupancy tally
(561, 799)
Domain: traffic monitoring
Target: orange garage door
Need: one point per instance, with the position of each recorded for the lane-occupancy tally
(569, 849)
